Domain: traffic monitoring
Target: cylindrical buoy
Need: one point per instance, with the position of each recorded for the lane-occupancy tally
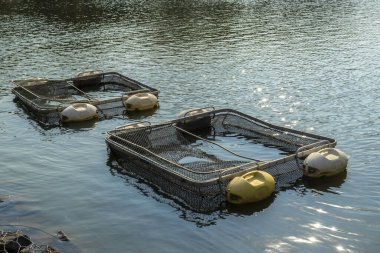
(88, 78)
(89, 73)
(130, 126)
(196, 122)
(141, 101)
(252, 187)
(33, 81)
(78, 112)
(192, 112)
(325, 162)
(38, 80)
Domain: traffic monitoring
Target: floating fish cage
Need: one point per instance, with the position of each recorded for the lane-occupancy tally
(193, 158)
(45, 99)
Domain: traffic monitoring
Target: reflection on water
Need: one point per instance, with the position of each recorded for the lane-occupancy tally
(321, 185)
(250, 209)
(141, 115)
(325, 184)
(147, 189)
(83, 125)
(198, 217)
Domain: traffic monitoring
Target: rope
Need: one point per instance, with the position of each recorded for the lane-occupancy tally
(226, 149)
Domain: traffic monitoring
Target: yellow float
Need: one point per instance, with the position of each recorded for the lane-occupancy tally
(252, 187)
(79, 112)
(141, 102)
(325, 162)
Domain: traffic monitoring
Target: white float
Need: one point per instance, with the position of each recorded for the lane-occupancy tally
(141, 102)
(325, 162)
(79, 112)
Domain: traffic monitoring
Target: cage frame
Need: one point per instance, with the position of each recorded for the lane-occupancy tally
(227, 174)
(41, 111)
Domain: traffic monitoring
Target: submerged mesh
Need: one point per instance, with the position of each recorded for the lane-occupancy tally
(200, 198)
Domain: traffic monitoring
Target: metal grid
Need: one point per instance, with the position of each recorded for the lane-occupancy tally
(45, 99)
(195, 164)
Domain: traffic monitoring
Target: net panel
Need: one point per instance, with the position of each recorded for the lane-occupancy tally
(259, 133)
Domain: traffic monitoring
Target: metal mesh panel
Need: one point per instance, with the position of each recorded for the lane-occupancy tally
(286, 141)
(195, 197)
(45, 99)
(196, 166)
(167, 146)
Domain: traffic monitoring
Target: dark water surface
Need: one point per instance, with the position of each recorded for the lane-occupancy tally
(309, 65)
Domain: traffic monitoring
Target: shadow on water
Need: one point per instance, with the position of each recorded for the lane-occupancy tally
(320, 185)
(203, 218)
(87, 8)
(140, 115)
(249, 209)
(83, 125)
(77, 11)
(200, 218)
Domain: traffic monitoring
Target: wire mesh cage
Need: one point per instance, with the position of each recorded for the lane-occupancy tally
(45, 99)
(193, 158)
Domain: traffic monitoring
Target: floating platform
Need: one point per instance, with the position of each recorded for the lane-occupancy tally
(45, 99)
(193, 158)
